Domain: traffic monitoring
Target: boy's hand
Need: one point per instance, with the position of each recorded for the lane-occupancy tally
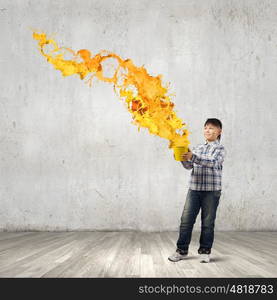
(187, 156)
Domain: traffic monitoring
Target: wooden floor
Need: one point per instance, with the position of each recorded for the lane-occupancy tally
(134, 254)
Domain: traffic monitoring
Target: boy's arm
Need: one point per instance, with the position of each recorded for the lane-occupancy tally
(213, 160)
(187, 164)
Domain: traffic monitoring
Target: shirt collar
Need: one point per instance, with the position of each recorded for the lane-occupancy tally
(212, 143)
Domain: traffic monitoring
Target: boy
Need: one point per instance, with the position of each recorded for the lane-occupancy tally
(206, 162)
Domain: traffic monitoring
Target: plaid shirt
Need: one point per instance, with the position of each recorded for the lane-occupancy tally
(206, 164)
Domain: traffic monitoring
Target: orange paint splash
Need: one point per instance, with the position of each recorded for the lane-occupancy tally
(144, 95)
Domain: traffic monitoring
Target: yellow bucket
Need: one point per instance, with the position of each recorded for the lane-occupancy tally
(179, 151)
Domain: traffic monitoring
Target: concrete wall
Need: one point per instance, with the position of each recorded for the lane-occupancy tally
(70, 158)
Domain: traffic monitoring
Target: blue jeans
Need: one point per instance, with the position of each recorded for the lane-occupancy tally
(208, 202)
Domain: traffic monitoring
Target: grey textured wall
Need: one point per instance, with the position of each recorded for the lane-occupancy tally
(70, 157)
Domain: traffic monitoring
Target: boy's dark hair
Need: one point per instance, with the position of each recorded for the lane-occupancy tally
(216, 123)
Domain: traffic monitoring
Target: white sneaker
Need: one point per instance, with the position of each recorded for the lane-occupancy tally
(176, 256)
(204, 258)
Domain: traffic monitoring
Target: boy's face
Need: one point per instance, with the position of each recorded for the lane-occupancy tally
(211, 132)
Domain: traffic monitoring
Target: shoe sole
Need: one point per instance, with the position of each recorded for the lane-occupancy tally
(177, 259)
(205, 260)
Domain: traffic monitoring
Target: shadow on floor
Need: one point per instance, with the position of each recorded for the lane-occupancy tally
(218, 259)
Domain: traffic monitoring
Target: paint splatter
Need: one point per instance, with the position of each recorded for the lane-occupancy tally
(144, 95)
